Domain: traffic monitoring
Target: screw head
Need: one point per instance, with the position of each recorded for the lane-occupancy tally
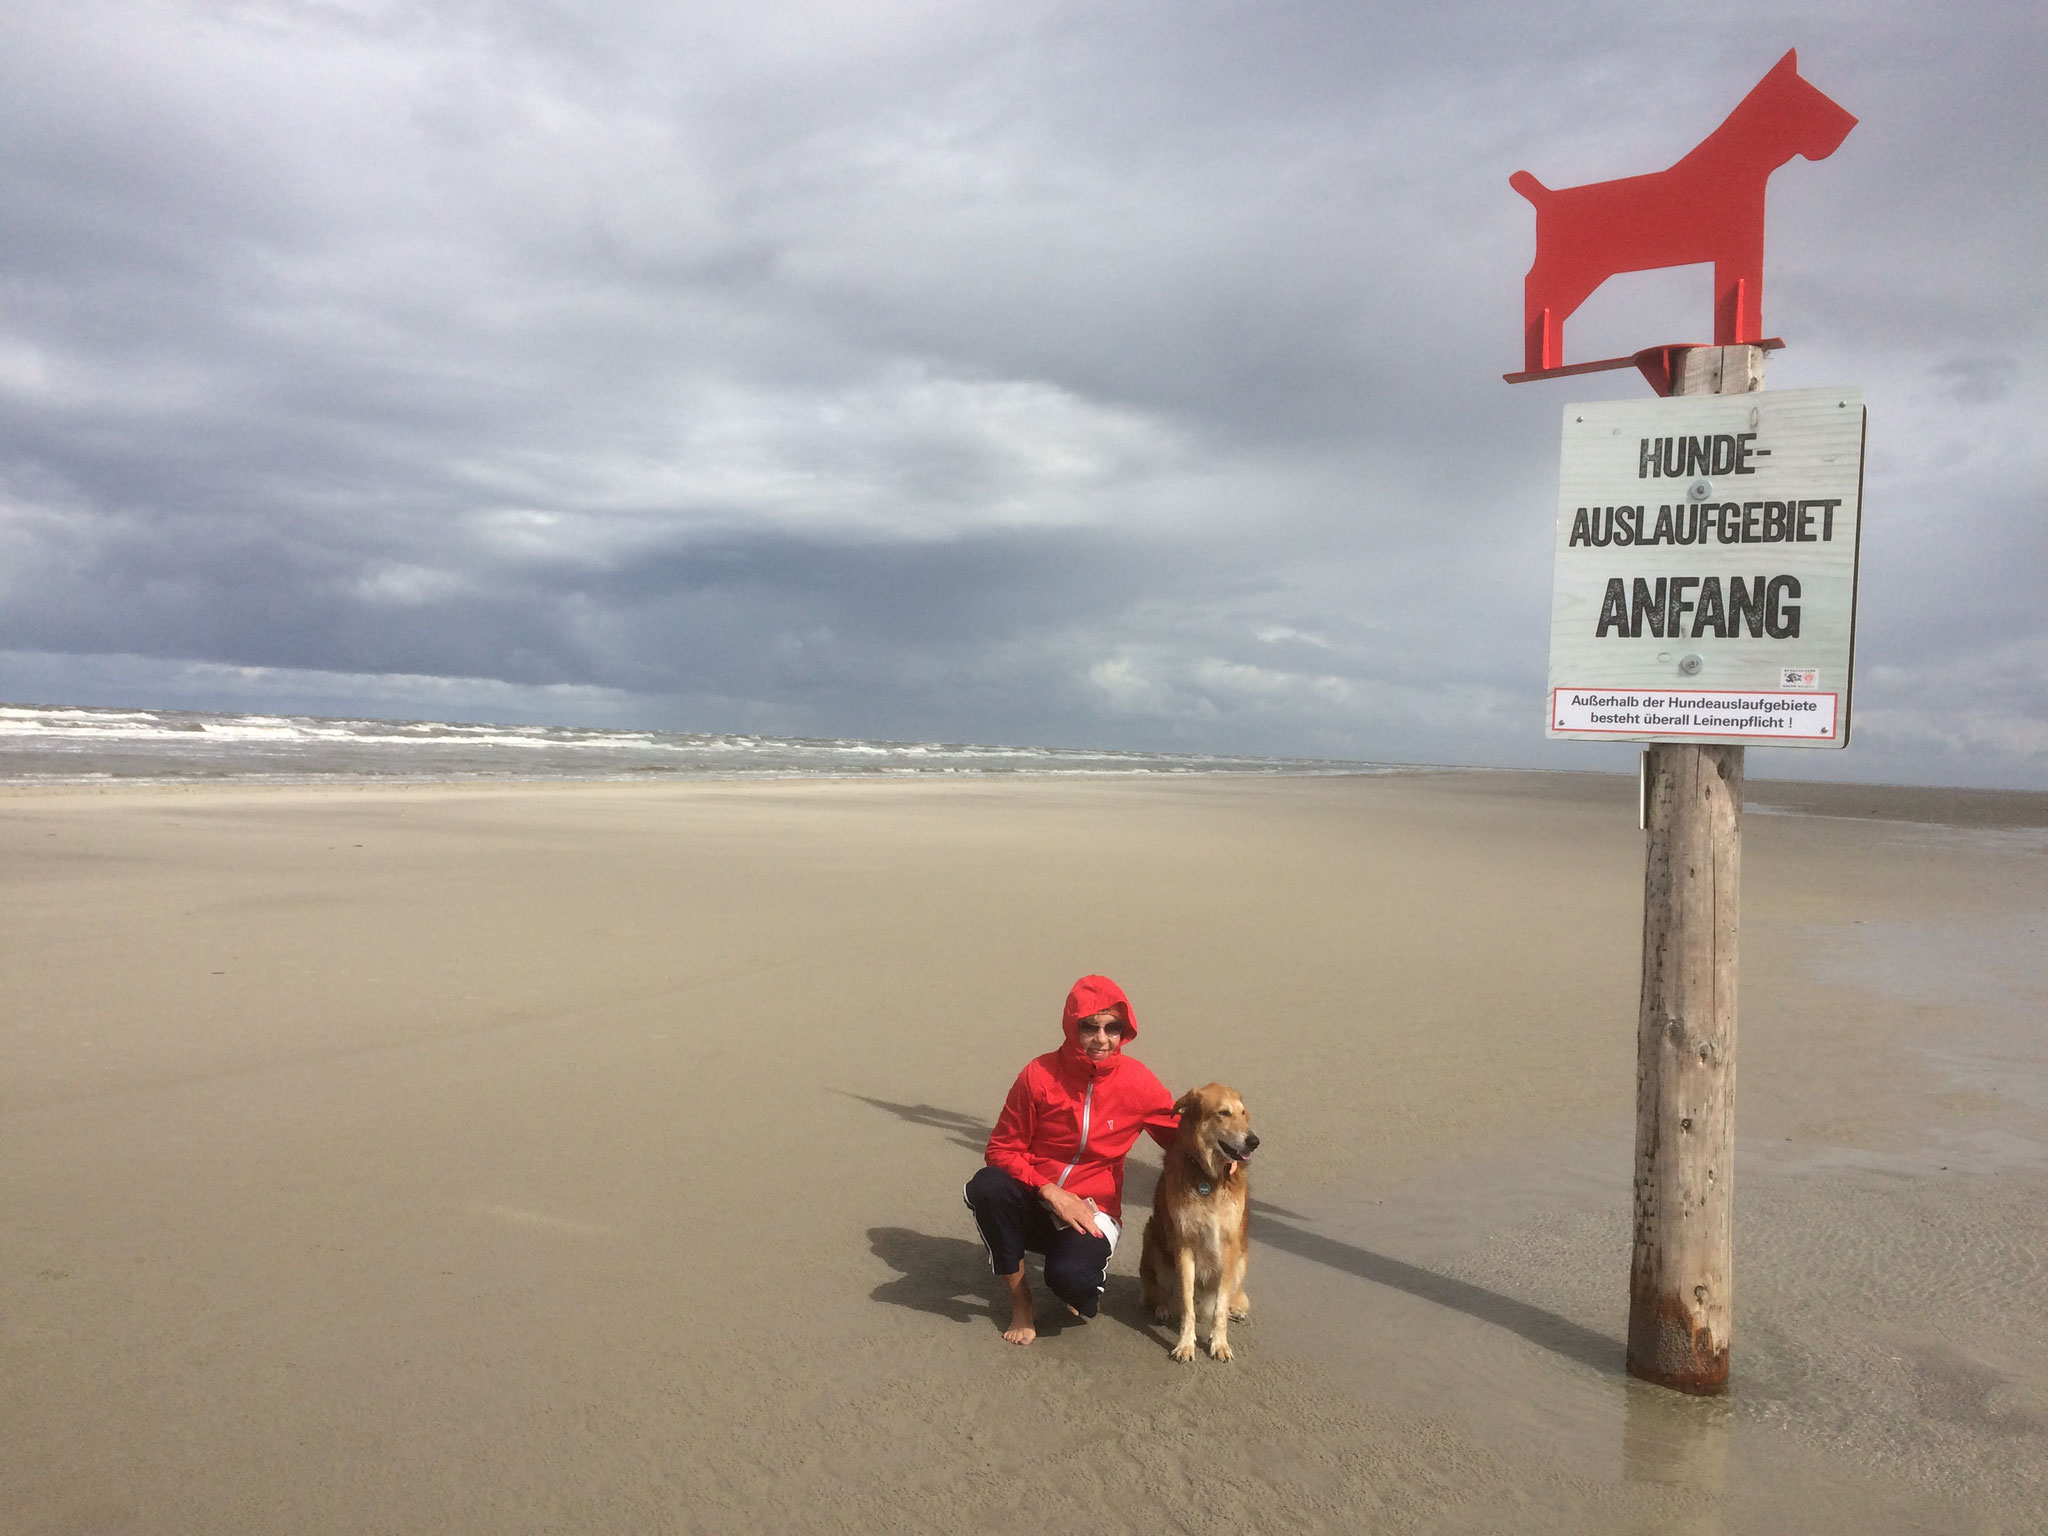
(1691, 662)
(1699, 490)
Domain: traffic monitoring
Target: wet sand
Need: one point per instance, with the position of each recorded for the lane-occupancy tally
(588, 1158)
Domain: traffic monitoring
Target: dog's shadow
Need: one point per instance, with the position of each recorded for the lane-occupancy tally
(948, 1277)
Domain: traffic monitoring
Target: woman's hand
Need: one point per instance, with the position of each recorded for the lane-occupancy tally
(1071, 1209)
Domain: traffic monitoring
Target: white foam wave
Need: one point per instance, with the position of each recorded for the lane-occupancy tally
(44, 743)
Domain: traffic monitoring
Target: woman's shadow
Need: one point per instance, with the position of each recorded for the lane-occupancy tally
(945, 1276)
(949, 1277)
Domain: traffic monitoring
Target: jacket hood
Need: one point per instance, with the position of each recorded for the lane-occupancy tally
(1090, 995)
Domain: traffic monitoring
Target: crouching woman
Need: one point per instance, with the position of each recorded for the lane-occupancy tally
(1055, 1177)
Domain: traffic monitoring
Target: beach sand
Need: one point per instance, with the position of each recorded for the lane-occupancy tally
(587, 1157)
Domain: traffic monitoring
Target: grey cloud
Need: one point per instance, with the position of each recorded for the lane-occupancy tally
(913, 370)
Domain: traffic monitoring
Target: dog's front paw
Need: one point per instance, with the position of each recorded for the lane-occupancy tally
(1184, 1351)
(1219, 1349)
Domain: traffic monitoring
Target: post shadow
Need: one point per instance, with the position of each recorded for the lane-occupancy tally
(1559, 1335)
(950, 1265)
(961, 1130)
(971, 1134)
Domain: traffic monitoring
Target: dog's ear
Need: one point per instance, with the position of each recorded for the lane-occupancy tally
(1187, 1102)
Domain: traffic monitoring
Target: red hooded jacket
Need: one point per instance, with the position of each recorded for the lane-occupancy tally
(1070, 1121)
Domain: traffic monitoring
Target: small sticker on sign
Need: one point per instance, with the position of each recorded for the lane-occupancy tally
(1799, 677)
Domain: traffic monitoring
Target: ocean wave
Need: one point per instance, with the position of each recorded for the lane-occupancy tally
(57, 744)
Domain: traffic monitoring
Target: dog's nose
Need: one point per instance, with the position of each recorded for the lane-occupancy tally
(1251, 1142)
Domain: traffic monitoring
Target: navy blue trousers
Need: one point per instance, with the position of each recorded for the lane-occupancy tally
(1014, 1221)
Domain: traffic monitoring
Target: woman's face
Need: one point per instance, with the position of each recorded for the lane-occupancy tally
(1102, 1034)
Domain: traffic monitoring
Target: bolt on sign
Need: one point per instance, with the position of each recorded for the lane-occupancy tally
(1705, 585)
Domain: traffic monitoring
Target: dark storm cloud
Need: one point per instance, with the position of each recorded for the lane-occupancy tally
(1068, 373)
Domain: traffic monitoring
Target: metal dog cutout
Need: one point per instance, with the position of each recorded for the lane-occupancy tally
(1707, 207)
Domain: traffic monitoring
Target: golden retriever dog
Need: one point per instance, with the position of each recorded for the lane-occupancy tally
(1195, 1242)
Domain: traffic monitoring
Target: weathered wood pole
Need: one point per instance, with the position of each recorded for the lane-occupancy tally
(1681, 1280)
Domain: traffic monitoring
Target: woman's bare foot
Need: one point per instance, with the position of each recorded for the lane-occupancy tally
(1023, 1310)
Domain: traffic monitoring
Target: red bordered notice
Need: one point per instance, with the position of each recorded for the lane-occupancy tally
(1702, 713)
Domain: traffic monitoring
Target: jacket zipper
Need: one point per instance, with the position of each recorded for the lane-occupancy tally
(1087, 1100)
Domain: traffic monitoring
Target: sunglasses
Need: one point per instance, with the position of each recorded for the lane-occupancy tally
(1115, 1030)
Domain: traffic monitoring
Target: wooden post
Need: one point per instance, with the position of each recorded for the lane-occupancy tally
(1681, 1278)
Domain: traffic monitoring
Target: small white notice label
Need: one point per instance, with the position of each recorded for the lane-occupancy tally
(1799, 677)
(1693, 712)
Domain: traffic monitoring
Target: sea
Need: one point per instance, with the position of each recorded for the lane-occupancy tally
(46, 744)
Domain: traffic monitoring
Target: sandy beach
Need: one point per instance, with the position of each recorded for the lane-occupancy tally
(587, 1158)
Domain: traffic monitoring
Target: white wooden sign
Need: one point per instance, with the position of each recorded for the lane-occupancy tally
(1705, 583)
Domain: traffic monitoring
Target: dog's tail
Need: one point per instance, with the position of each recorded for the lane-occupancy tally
(1529, 187)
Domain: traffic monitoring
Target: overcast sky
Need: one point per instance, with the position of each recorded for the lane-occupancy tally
(1091, 374)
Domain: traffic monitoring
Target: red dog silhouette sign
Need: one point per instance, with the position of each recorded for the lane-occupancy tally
(1707, 207)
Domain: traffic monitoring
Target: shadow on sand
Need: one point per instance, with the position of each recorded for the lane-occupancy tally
(937, 1272)
(948, 1277)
